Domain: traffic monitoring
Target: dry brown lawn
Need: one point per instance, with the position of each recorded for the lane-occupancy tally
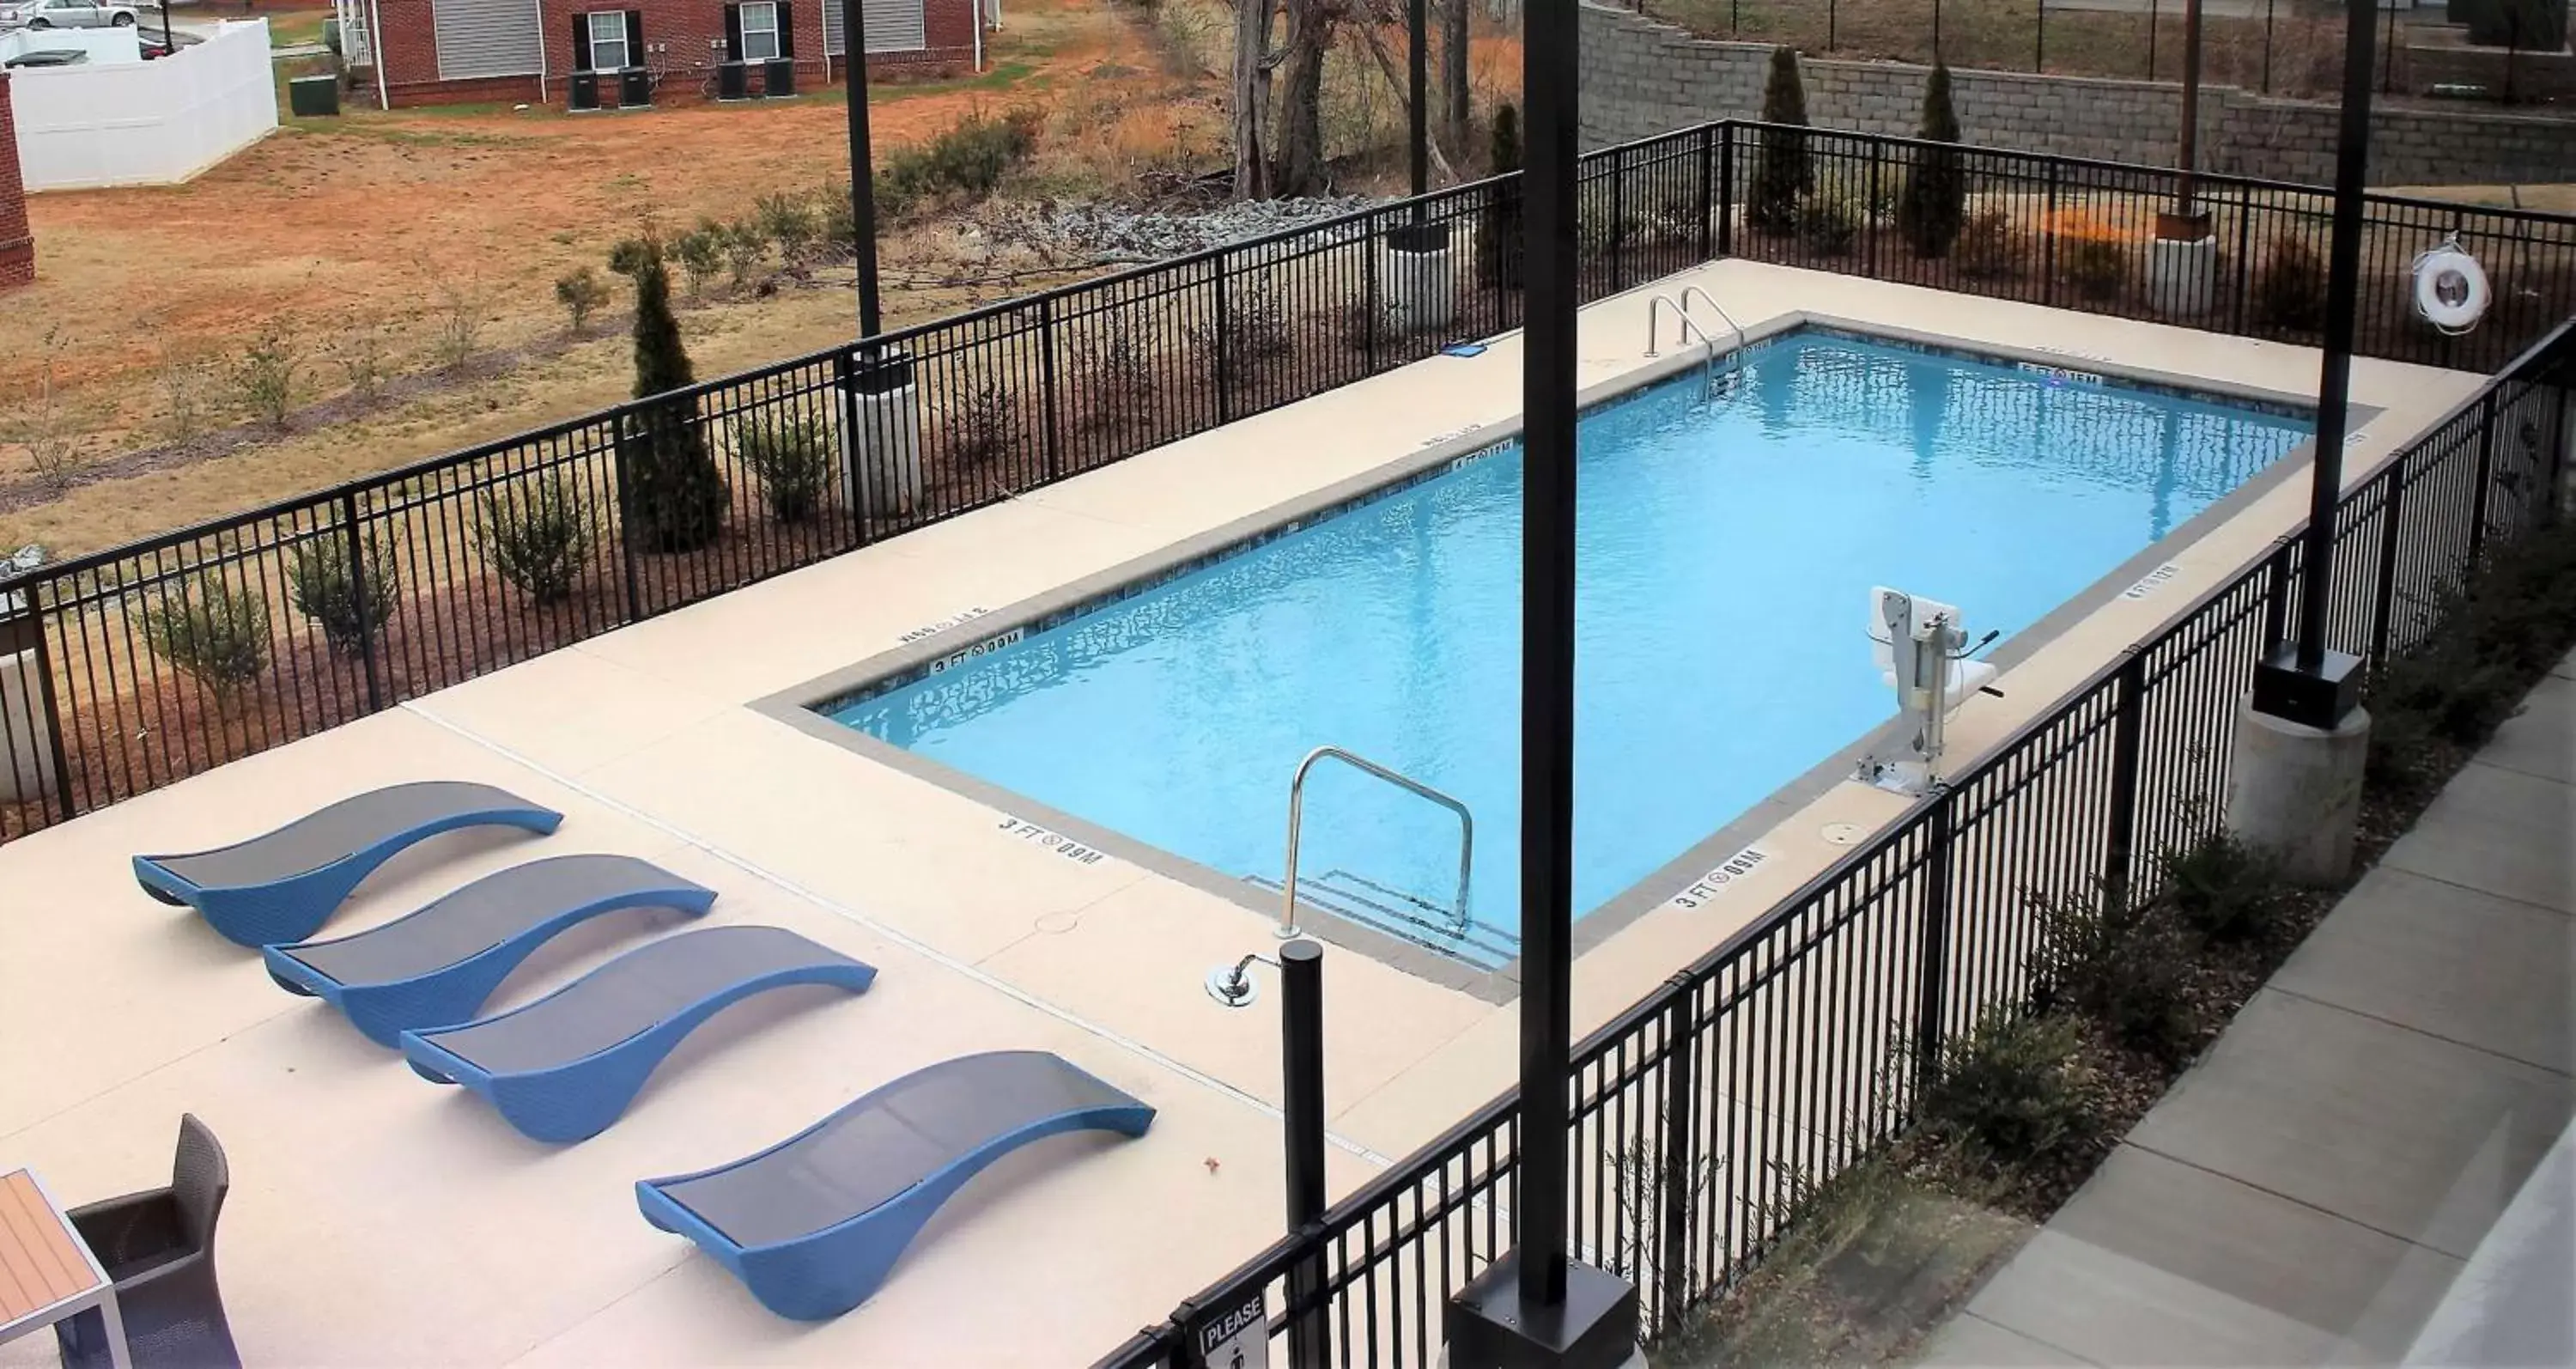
(397, 224)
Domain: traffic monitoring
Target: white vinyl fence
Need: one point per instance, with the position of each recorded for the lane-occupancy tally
(145, 123)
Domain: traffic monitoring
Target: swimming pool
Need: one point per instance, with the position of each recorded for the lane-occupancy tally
(1725, 549)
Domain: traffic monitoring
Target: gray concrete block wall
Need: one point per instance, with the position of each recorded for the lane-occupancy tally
(1642, 77)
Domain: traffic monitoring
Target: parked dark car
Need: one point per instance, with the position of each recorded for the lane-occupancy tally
(50, 57)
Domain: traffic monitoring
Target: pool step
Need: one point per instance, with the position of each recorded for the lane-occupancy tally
(1405, 916)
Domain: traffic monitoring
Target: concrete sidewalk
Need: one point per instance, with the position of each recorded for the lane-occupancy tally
(2311, 1190)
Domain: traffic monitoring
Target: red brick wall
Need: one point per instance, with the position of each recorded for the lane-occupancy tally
(684, 40)
(17, 243)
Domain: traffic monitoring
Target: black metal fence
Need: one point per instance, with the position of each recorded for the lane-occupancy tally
(1702, 1115)
(125, 670)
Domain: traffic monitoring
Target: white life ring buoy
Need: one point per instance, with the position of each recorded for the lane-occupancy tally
(2450, 288)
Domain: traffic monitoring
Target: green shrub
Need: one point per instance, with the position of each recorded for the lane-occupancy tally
(1828, 225)
(1782, 172)
(701, 252)
(746, 249)
(1254, 326)
(319, 584)
(1988, 245)
(1936, 184)
(2012, 1090)
(788, 221)
(2290, 288)
(536, 535)
(2507, 623)
(840, 220)
(968, 161)
(791, 455)
(982, 423)
(265, 376)
(2124, 964)
(673, 496)
(2097, 266)
(581, 293)
(2224, 890)
(212, 631)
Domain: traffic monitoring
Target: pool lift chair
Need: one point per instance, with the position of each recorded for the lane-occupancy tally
(1716, 382)
(1922, 651)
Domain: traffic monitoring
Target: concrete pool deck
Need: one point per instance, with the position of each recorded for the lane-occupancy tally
(376, 1219)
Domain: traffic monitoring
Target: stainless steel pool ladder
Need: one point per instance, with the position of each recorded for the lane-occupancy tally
(1690, 328)
(1296, 816)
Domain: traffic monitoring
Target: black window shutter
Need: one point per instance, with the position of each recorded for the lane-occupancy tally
(635, 38)
(786, 28)
(733, 33)
(581, 42)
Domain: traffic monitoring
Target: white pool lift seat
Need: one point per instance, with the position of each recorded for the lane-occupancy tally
(1921, 648)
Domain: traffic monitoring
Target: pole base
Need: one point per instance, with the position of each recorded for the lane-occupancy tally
(1488, 1326)
(2295, 793)
(2316, 698)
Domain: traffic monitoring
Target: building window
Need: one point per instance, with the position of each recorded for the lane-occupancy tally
(608, 40)
(760, 31)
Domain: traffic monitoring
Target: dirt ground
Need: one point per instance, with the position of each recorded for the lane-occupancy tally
(399, 225)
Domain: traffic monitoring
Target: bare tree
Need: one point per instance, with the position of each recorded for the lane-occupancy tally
(1453, 73)
(1297, 163)
(1253, 59)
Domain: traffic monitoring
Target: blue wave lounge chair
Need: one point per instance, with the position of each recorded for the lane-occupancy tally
(813, 1224)
(434, 967)
(283, 886)
(563, 1068)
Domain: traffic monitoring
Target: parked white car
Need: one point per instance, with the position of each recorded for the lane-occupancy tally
(65, 14)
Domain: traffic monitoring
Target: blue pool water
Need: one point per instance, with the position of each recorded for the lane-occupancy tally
(1726, 548)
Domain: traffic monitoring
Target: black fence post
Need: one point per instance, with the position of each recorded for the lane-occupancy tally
(1047, 400)
(2383, 595)
(1681, 1106)
(359, 597)
(2244, 255)
(2486, 477)
(46, 700)
(2048, 242)
(2276, 594)
(1301, 1054)
(625, 502)
(1224, 371)
(2129, 708)
(1706, 247)
(1934, 970)
(1618, 220)
(1369, 306)
(1869, 214)
(1726, 189)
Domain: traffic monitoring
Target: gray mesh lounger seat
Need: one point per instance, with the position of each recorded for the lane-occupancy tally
(563, 1067)
(283, 886)
(813, 1224)
(434, 967)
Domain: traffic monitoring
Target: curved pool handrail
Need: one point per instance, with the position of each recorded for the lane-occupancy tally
(814, 1224)
(1296, 816)
(282, 885)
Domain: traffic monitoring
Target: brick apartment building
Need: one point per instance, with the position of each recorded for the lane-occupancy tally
(585, 54)
(17, 244)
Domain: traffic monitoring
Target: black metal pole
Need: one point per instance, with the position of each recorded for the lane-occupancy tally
(863, 189)
(1419, 77)
(2186, 185)
(1301, 1056)
(2343, 298)
(1549, 75)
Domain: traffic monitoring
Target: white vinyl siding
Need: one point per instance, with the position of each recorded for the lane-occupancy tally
(487, 38)
(608, 40)
(759, 30)
(893, 26)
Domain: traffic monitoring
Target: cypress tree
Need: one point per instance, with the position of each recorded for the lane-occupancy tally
(673, 493)
(1782, 174)
(1498, 233)
(1936, 186)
